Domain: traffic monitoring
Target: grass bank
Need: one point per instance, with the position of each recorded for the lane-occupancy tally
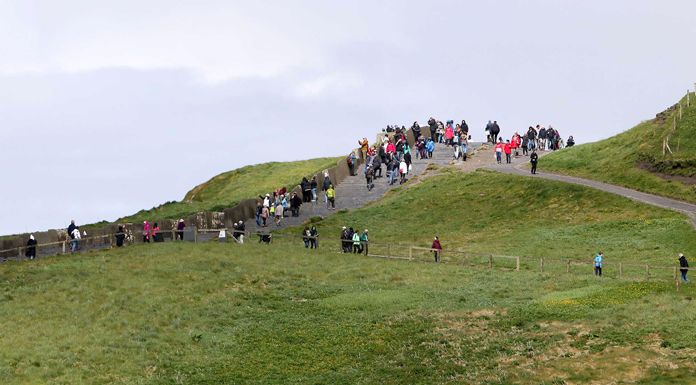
(229, 188)
(258, 314)
(635, 159)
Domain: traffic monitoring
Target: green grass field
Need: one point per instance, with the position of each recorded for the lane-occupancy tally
(618, 160)
(259, 314)
(228, 189)
(209, 313)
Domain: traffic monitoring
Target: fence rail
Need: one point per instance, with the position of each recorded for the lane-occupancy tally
(398, 251)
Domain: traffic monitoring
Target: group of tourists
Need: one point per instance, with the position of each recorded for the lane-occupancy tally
(448, 133)
(354, 241)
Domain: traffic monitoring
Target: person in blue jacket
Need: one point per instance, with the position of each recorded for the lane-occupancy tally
(430, 147)
(598, 263)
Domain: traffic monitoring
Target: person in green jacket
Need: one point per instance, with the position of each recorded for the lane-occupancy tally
(356, 243)
(364, 241)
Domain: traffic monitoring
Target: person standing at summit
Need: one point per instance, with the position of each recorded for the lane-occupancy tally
(364, 145)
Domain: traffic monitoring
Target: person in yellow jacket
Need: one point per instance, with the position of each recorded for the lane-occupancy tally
(331, 196)
(364, 145)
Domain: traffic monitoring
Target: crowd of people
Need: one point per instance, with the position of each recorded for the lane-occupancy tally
(354, 241)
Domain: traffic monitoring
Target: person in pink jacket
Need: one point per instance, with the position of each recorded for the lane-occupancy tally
(146, 232)
(449, 134)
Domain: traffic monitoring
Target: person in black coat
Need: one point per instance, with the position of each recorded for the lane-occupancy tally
(683, 267)
(295, 203)
(120, 236)
(31, 248)
(534, 159)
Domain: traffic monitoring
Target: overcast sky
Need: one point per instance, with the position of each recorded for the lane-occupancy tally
(110, 107)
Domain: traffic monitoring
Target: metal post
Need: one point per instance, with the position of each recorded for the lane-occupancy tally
(517, 267)
(541, 264)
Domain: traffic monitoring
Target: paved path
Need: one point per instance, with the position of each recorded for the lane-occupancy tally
(352, 192)
(519, 168)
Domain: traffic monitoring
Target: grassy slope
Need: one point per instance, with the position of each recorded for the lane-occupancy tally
(271, 315)
(228, 189)
(487, 212)
(615, 160)
(281, 314)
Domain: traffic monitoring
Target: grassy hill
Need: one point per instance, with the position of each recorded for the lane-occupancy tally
(229, 188)
(488, 212)
(282, 314)
(635, 158)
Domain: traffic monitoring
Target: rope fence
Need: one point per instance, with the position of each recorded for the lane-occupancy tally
(384, 250)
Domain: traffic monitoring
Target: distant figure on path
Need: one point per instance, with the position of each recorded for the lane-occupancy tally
(156, 236)
(683, 267)
(508, 152)
(71, 228)
(357, 248)
(180, 229)
(364, 145)
(325, 185)
(598, 264)
(570, 142)
(146, 232)
(120, 236)
(534, 159)
(495, 130)
(295, 203)
(499, 151)
(364, 241)
(238, 233)
(331, 196)
(31, 247)
(436, 248)
(75, 242)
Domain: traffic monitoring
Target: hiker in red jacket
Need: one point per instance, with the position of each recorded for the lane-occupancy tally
(508, 151)
(499, 150)
(515, 143)
(436, 248)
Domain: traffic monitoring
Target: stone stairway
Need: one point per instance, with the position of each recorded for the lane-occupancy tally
(352, 192)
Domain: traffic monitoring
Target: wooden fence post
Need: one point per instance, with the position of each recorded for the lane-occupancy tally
(568, 266)
(195, 234)
(541, 264)
(64, 245)
(388, 250)
(19, 253)
(410, 253)
(517, 263)
(620, 269)
(647, 271)
(675, 272)
(490, 261)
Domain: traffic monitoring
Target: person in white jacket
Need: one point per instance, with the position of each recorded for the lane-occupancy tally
(75, 241)
(403, 170)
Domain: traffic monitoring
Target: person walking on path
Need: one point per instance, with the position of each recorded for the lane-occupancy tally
(331, 196)
(156, 236)
(683, 267)
(264, 215)
(295, 203)
(364, 145)
(278, 213)
(325, 185)
(507, 147)
(436, 248)
(31, 247)
(534, 159)
(499, 151)
(598, 264)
